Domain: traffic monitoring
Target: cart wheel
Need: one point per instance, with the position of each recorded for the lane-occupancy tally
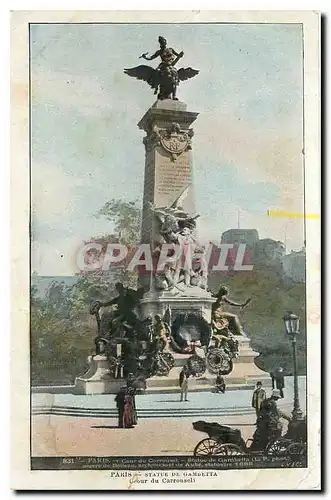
(206, 447)
(229, 449)
(278, 447)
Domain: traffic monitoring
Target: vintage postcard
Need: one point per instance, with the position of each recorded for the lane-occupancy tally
(166, 250)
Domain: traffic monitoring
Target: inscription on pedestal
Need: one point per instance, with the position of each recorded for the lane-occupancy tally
(171, 178)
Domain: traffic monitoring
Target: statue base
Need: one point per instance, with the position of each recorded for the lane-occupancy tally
(187, 300)
(98, 380)
(244, 375)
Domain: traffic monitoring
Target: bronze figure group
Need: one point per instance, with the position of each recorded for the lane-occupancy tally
(165, 79)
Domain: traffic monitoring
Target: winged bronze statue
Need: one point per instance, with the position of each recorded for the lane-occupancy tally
(165, 79)
(173, 219)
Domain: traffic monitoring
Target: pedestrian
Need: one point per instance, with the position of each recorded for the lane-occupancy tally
(120, 398)
(269, 427)
(280, 384)
(130, 414)
(130, 393)
(183, 383)
(259, 395)
(220, 383)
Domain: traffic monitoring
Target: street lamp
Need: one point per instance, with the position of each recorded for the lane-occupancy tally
(291, 322)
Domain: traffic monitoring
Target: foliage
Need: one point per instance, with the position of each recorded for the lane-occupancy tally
(62, 330)
(262, 320)
(60, 336)
(126, 217)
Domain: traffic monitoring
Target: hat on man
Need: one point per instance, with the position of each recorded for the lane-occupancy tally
(275, 393)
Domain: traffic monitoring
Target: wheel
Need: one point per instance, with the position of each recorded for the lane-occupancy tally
(218, 361)
(229, 449)
(278, 447)
(206, 447)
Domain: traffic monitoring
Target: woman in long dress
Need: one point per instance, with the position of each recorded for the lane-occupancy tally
(130, 414)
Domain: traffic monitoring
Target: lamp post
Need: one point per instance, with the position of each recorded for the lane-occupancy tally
(291, 322)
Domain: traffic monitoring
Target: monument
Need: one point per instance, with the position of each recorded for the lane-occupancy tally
(173, 319)
(169, 212)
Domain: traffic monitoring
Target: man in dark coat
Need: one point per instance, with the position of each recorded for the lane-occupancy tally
(280, 384)
(277, 378)
(259, 395)
(120, 400)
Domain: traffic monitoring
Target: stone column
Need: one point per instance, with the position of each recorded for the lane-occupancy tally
(168, 161)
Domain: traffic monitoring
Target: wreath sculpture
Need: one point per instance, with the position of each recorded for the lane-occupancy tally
(196, 365)
(219, 361)
(178, 342)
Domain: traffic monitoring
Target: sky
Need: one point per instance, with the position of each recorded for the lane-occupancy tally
(86, 148)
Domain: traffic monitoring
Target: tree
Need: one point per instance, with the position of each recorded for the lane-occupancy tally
(62, 330)
(126, 217)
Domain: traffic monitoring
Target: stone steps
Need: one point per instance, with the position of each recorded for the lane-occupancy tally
(203, 387)
(183, 412)
(143, 413)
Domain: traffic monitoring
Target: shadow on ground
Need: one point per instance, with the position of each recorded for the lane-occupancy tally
(105, 427)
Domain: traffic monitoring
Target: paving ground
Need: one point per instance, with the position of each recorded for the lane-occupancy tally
(158, 405)
(164, 427)
(72, 436)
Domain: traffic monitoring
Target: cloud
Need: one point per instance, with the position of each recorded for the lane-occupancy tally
(289, 231)
(52, 189)
(86, 148)
(84, 93)
(272, 154)
(55, 258)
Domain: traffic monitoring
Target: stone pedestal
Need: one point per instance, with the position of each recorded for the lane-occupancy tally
(245, 370)
(98, 380)
(244, 375)
(168, 160)
(191, 300)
